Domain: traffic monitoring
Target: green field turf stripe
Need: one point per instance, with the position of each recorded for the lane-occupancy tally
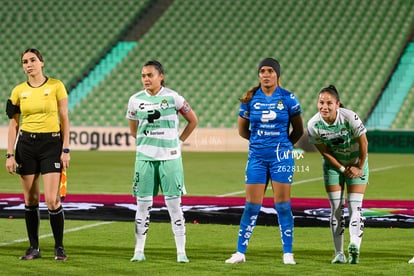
(66, 231)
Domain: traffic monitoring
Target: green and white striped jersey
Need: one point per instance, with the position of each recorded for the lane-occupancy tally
(157, 133)
(340, 137)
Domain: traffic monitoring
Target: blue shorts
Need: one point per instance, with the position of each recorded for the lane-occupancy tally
(259, 171)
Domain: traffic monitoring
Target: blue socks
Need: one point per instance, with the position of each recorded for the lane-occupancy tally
(285, 219)
(249, 219)
(247, 224)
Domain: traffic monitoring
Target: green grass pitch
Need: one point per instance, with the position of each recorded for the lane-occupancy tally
(105, 247)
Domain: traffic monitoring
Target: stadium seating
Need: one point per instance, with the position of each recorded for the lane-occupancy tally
(210, 50)
(72, 36)
(405, 118)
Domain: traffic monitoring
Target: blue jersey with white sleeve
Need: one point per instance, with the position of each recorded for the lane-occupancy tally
(269, 118)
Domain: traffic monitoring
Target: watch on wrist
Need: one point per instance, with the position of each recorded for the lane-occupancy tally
(8, 155)
(66, 150)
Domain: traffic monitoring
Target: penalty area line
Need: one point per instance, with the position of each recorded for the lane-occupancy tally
(66, 231)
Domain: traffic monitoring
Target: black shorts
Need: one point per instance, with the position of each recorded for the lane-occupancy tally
(38, 153)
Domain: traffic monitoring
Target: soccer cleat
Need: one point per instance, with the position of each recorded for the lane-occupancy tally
(60, 254)
(288, 259)
(31, 253)
(236, 258)
(339, 258)
(138, 257)
(182, 258)
(411, 261)
(353, 252)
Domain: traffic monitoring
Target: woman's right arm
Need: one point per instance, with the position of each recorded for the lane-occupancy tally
(323, 149)
(12, 136)
(133, 127)
(244, 128)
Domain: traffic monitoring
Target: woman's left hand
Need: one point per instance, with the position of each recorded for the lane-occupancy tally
(353, 172)
(65, 158)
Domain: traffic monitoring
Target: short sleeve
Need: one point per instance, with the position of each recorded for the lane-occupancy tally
(61, 92)
(294, 106)
(244, 111)
(357, 125)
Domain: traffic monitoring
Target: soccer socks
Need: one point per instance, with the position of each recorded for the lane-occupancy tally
(285, 219)
(337, 220)
(247, 224)
(57, 221)
(356, 220)
(32, 217)
(177, 222)
(142, 219)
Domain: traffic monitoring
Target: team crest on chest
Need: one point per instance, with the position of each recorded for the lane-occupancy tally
(280, 105)
(164, 104)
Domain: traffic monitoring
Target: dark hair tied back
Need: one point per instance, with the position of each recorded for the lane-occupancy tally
(158, 66)
(34, 51)
(331, 89)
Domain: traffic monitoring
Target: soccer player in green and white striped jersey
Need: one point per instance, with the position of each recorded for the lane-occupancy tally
(153, 121)
(340, 136)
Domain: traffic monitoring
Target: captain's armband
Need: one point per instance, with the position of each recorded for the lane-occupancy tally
(12, 109)
(185, 109)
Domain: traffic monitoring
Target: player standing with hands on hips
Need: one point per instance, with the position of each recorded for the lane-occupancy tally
(266, 113)
(340, 136)
(153, 121)
(42, 147)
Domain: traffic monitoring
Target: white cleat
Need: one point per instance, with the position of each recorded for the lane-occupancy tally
(339, 259)
(138, 257)
(411, 261)
(182, 258)
(236, 258)
(288, 259)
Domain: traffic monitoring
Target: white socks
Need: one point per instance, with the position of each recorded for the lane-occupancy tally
(356, 220)
(177, 222)
(337, 220)
(142, 216)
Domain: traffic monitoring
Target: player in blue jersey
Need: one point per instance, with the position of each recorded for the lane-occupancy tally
(340, 136)
(266, 114)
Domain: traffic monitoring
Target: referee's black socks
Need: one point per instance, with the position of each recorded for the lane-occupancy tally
(32, 217)
(57, 220)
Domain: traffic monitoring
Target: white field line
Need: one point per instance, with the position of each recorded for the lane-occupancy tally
(66, 231)
(320, 178)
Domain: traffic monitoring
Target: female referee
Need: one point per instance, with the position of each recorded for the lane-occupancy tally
(153, 121)
(42, 147)
(266, 113)
(339, 135)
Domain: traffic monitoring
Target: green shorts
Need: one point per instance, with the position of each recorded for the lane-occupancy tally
(332, 176)
(151, 176)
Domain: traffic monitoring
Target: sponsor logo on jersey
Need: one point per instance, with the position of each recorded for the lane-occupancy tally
(268, 115)
(264, 105)
(26, 94)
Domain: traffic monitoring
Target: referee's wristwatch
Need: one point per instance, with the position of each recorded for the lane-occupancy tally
(65, 150)
(8, 155)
